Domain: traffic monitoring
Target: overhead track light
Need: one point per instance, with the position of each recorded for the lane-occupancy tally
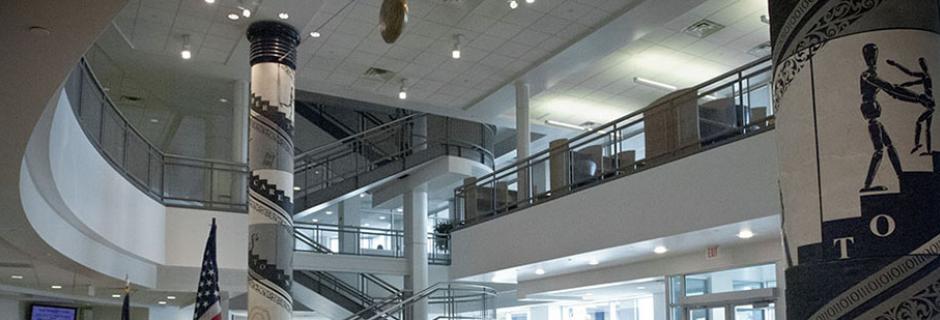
(654, 84)
(187, 52)
(455, 53)
(402, 94)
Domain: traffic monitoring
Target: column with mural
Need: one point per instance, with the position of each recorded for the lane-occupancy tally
(859, 173)
(271, 161)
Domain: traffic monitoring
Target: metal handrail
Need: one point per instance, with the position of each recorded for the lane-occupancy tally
(449, 287)
(346, 140)
(612, 133)
(436, 255)
(367, 276)
(89, 96)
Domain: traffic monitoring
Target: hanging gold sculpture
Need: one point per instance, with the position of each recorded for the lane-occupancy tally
(392, 19)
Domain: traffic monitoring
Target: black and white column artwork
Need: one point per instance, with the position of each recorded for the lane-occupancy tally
(271, 161)
(859, 175)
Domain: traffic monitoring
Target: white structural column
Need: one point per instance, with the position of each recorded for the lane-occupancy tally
(859, 176)
(523, 136)
(271, 162)
(416, 243)
(240, 106)
(349, 219)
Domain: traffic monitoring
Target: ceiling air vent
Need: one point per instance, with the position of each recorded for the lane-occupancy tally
(761, 50)
(703, 28)
(379, 74)
(15, 265)
(131, 98)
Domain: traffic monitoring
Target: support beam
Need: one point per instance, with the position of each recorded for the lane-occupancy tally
(859, 179)
(271, 161)
(416, 243)
(523, 135)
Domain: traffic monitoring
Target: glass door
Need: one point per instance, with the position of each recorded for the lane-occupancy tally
(757, 311)
(715, 313)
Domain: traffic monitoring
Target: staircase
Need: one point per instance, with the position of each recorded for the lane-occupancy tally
(382, 153)
(358, 298)
(447, 300)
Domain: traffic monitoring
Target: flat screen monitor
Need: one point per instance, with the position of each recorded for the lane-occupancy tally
(49, 312)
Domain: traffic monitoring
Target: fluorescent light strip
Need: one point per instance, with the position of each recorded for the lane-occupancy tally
(565, 125)
(654, 84)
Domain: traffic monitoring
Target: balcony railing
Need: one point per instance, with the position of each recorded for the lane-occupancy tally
(173, 180)
(352, 240)
(727, 108)
(394, 147)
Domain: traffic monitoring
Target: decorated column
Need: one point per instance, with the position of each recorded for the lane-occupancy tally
(859, 175)
(271, 161)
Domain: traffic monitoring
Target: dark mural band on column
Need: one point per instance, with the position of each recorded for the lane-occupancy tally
(271, 161)
(852, 84)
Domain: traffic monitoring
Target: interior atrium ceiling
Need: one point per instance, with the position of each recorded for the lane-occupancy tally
(606, 89)
(498, 45)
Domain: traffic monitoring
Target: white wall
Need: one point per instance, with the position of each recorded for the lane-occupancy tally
(732, 183)
(100, 198)
(12, 309)
(188, 229)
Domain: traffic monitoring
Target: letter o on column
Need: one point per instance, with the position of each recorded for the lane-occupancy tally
(875, 223)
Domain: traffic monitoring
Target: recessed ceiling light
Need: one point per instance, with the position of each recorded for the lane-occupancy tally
(296, 188)
(640, 288)
(16, 276)
(381, 217)
(660, 250)
(233, 16)
(223, 100)
(530, 1)
(594, 262)
(329, 212)
(513, 4)
(246, 12)
(210, 1)
(115, 296)
(400, 210)
(171, 297)
(565, 125)
(55, 286)
(316, 220)
(362, 195)
(154, 120)
(539, 271)
(654, 84)
(315, 34)
(366, 225)
(745, 234)
(283, 16)
(161, 302)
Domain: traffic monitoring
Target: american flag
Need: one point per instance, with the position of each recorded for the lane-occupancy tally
(208, 303)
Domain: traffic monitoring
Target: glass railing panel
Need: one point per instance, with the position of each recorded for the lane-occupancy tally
(683, 123)
(186, 180)
(155, 181)
(137, 158)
